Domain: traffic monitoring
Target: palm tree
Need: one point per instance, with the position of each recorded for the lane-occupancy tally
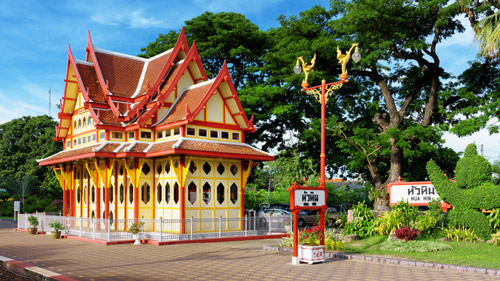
(488, 35)
(22, 187)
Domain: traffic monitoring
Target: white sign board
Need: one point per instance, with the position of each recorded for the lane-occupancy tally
(17, 206)
(413, 193)
(309, 198)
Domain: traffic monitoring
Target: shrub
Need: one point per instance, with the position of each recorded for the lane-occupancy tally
(363, 221)
(331, 241)
(472, 219)
(57, 226)
(414, 246)
(494, 219)
(33, 221)
(472, 169)
(496, 238)
(136, 227)
(460, 233)
(400, 215)
(426, 224)
(406, 233)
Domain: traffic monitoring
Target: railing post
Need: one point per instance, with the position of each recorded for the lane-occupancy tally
(80, 228)
(108, 222)
(161, 229)
(246, 225)
(269, 222)
(93, 228)
(254, 221)
(191, 230)
(220, 227)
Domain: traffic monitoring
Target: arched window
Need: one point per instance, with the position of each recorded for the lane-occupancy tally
(131, 193)
(207, 192)
(145, 193)
(78, 194)
(111, 193)
(176, 193)
(220, 193)
(93, 194)
(234, 193)
(192, 190)
(158, 193)
(122, 193)
(85, 190)
(167, 192)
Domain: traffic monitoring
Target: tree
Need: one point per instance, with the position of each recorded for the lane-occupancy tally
(219, 37)
(483, 17)
(385, 119)
(22, 141)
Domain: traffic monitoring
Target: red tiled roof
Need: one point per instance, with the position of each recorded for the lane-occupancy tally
(90, 82)
(122, 73)
(192, 98)
(195, 147)
(107, 118)
(154, 68)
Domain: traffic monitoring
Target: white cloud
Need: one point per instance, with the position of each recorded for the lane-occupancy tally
(491, 143)
(131, 18)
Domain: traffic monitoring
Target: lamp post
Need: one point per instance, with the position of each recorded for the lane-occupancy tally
(322, 93)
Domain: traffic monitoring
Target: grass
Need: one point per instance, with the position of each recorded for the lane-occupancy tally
(477, 254)
(7, 218)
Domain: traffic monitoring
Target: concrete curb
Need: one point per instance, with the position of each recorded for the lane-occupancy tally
(460, 268)
(34, 272)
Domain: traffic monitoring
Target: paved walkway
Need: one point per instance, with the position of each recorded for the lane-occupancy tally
(242, 260)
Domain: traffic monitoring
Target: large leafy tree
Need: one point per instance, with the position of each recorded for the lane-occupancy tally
(479, 85)
(22, 141)
(219, 37)
(384, 119)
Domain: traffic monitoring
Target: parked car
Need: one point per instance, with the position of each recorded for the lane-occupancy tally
(312, 217)
(273, 211)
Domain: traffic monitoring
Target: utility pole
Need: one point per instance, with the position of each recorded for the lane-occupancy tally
(482, 150)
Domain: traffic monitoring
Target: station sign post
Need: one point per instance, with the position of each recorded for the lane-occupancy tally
(306, 198)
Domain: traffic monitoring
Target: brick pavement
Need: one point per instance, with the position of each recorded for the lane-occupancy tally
(203, 261)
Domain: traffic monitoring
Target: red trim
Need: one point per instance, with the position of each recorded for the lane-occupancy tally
(156, 154)
(181, 44)
(165, 94)
(171, 125)
(216, 125)
(212, 240)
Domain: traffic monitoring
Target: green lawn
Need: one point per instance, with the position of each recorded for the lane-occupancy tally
(7, 218)
(477, 254)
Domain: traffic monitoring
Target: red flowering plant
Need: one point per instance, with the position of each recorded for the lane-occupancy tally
(312, 236)
(406, 233)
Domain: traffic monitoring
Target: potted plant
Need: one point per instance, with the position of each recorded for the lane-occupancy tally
(57, 226)
(310, 250)
(136, 229)
(34, 223)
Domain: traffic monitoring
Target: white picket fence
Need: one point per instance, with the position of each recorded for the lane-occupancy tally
(162, 229)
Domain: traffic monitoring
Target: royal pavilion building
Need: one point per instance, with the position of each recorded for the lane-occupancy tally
(151, 138)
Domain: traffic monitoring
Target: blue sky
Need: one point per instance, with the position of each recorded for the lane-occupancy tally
(34, 38)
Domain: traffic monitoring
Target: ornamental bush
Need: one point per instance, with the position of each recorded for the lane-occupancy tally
(471, 192)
